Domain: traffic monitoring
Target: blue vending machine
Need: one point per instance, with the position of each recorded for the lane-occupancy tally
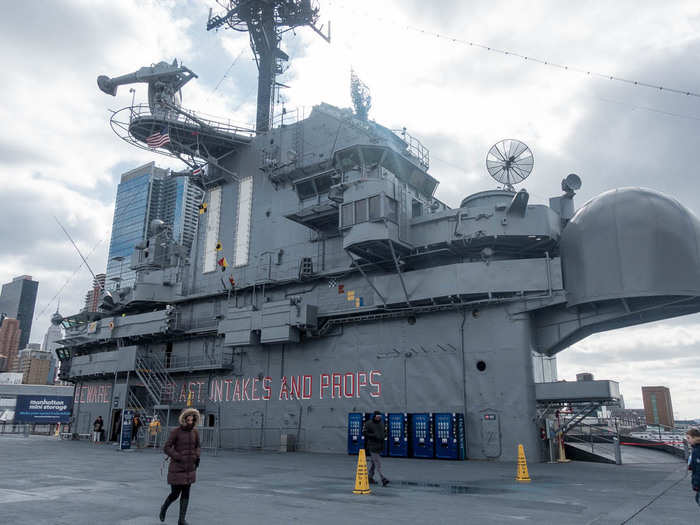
(356, 436)
(420, 440)
(385, 449)
(461, 436)
(398, 435)
(446, 445)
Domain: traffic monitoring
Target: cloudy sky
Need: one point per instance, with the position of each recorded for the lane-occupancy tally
(59, 157)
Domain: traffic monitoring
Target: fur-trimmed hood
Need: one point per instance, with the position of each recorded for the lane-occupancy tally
(189, 412)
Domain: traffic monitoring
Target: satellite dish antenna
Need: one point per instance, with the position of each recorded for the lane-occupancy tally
(509, 162)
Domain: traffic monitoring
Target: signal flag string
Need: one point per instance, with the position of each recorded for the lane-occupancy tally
(122, 210)
(228, 71)
(540, 60)
(556, 65)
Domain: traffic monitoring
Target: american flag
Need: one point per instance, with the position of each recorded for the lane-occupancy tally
(158, 139)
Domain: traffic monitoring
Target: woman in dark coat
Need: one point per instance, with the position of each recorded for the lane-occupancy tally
(183, 448)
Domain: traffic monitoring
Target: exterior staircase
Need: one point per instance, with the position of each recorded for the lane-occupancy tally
(155, 378)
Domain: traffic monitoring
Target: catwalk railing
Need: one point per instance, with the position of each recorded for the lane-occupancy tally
(191, 118)
(155, 378)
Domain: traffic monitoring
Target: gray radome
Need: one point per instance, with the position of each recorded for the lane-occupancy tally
(630, 242)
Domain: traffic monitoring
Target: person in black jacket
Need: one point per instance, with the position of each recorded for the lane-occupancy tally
(136, 429)
(97, 429)
(374, 443)
(693, 436)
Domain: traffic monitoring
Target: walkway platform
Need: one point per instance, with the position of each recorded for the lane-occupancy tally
(630, 454)
(51, 481)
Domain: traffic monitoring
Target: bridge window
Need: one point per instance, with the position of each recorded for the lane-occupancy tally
(346, 218)
(361, 211)
(416, 208)
(375, 207)
(392, 211)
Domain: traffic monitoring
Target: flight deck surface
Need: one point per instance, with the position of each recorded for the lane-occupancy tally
(47, 481)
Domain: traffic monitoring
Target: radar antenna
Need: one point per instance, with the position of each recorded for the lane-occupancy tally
(265, 21)
(509, 162)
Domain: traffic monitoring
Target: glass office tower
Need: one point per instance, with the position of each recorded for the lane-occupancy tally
(144, 194)
(17, 300)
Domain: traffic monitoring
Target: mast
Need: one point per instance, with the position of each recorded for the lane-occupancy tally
(266, 21)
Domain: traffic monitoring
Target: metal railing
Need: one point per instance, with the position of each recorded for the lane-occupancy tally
(192, 118)
(257, 438)
(203, 323)
(415, 147)
(134, 403)
(153, 375)
(218, 359)
(209, 439)
(26, 429)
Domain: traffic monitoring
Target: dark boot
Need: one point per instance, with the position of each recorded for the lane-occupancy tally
(183, 510)
(164, 508)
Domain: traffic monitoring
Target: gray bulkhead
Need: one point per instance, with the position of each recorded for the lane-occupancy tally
(355, 289)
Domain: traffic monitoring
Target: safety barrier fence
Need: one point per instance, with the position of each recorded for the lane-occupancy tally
(26, 429)
(213, 439)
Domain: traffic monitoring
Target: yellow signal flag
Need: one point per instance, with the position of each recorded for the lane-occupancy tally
(218, 246)
(351, 295)
(203, 208)
(357, 302)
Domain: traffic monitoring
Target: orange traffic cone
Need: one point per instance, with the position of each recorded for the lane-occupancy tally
(361, 479)
(523, 474)
(562, 452)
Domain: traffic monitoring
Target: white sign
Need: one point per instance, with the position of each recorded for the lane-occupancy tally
(11, 378)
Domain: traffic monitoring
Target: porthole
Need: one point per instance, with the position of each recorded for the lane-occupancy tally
(481, 366)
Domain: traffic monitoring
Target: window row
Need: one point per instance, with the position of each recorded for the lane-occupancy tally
(375, 208)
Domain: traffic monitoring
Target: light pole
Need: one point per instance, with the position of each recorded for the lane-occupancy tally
(118, 280)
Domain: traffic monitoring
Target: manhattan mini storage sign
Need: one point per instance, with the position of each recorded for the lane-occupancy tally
(43, 409)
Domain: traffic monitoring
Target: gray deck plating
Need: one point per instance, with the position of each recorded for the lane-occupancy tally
(58, 482)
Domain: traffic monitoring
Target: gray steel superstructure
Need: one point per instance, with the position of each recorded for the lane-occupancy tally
(326, 278)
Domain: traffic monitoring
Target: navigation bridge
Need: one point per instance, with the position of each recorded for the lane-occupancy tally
(188, 133)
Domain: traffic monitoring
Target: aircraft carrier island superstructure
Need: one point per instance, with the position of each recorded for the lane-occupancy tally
(326, 278)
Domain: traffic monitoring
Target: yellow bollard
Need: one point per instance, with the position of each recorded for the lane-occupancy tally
(523, 474)
(562, 453)
(361, 479)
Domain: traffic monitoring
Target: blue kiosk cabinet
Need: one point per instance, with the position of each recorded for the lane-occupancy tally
(462, 436)
(421, 436)
(385, 449)
(398, 435)
(356, 436)
(447, 436)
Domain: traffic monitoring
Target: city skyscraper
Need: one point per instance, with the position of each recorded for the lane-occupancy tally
(37, 367)
(94, 295)
(657, 405)
(144, 194)
(9, 344)
(17, 300)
